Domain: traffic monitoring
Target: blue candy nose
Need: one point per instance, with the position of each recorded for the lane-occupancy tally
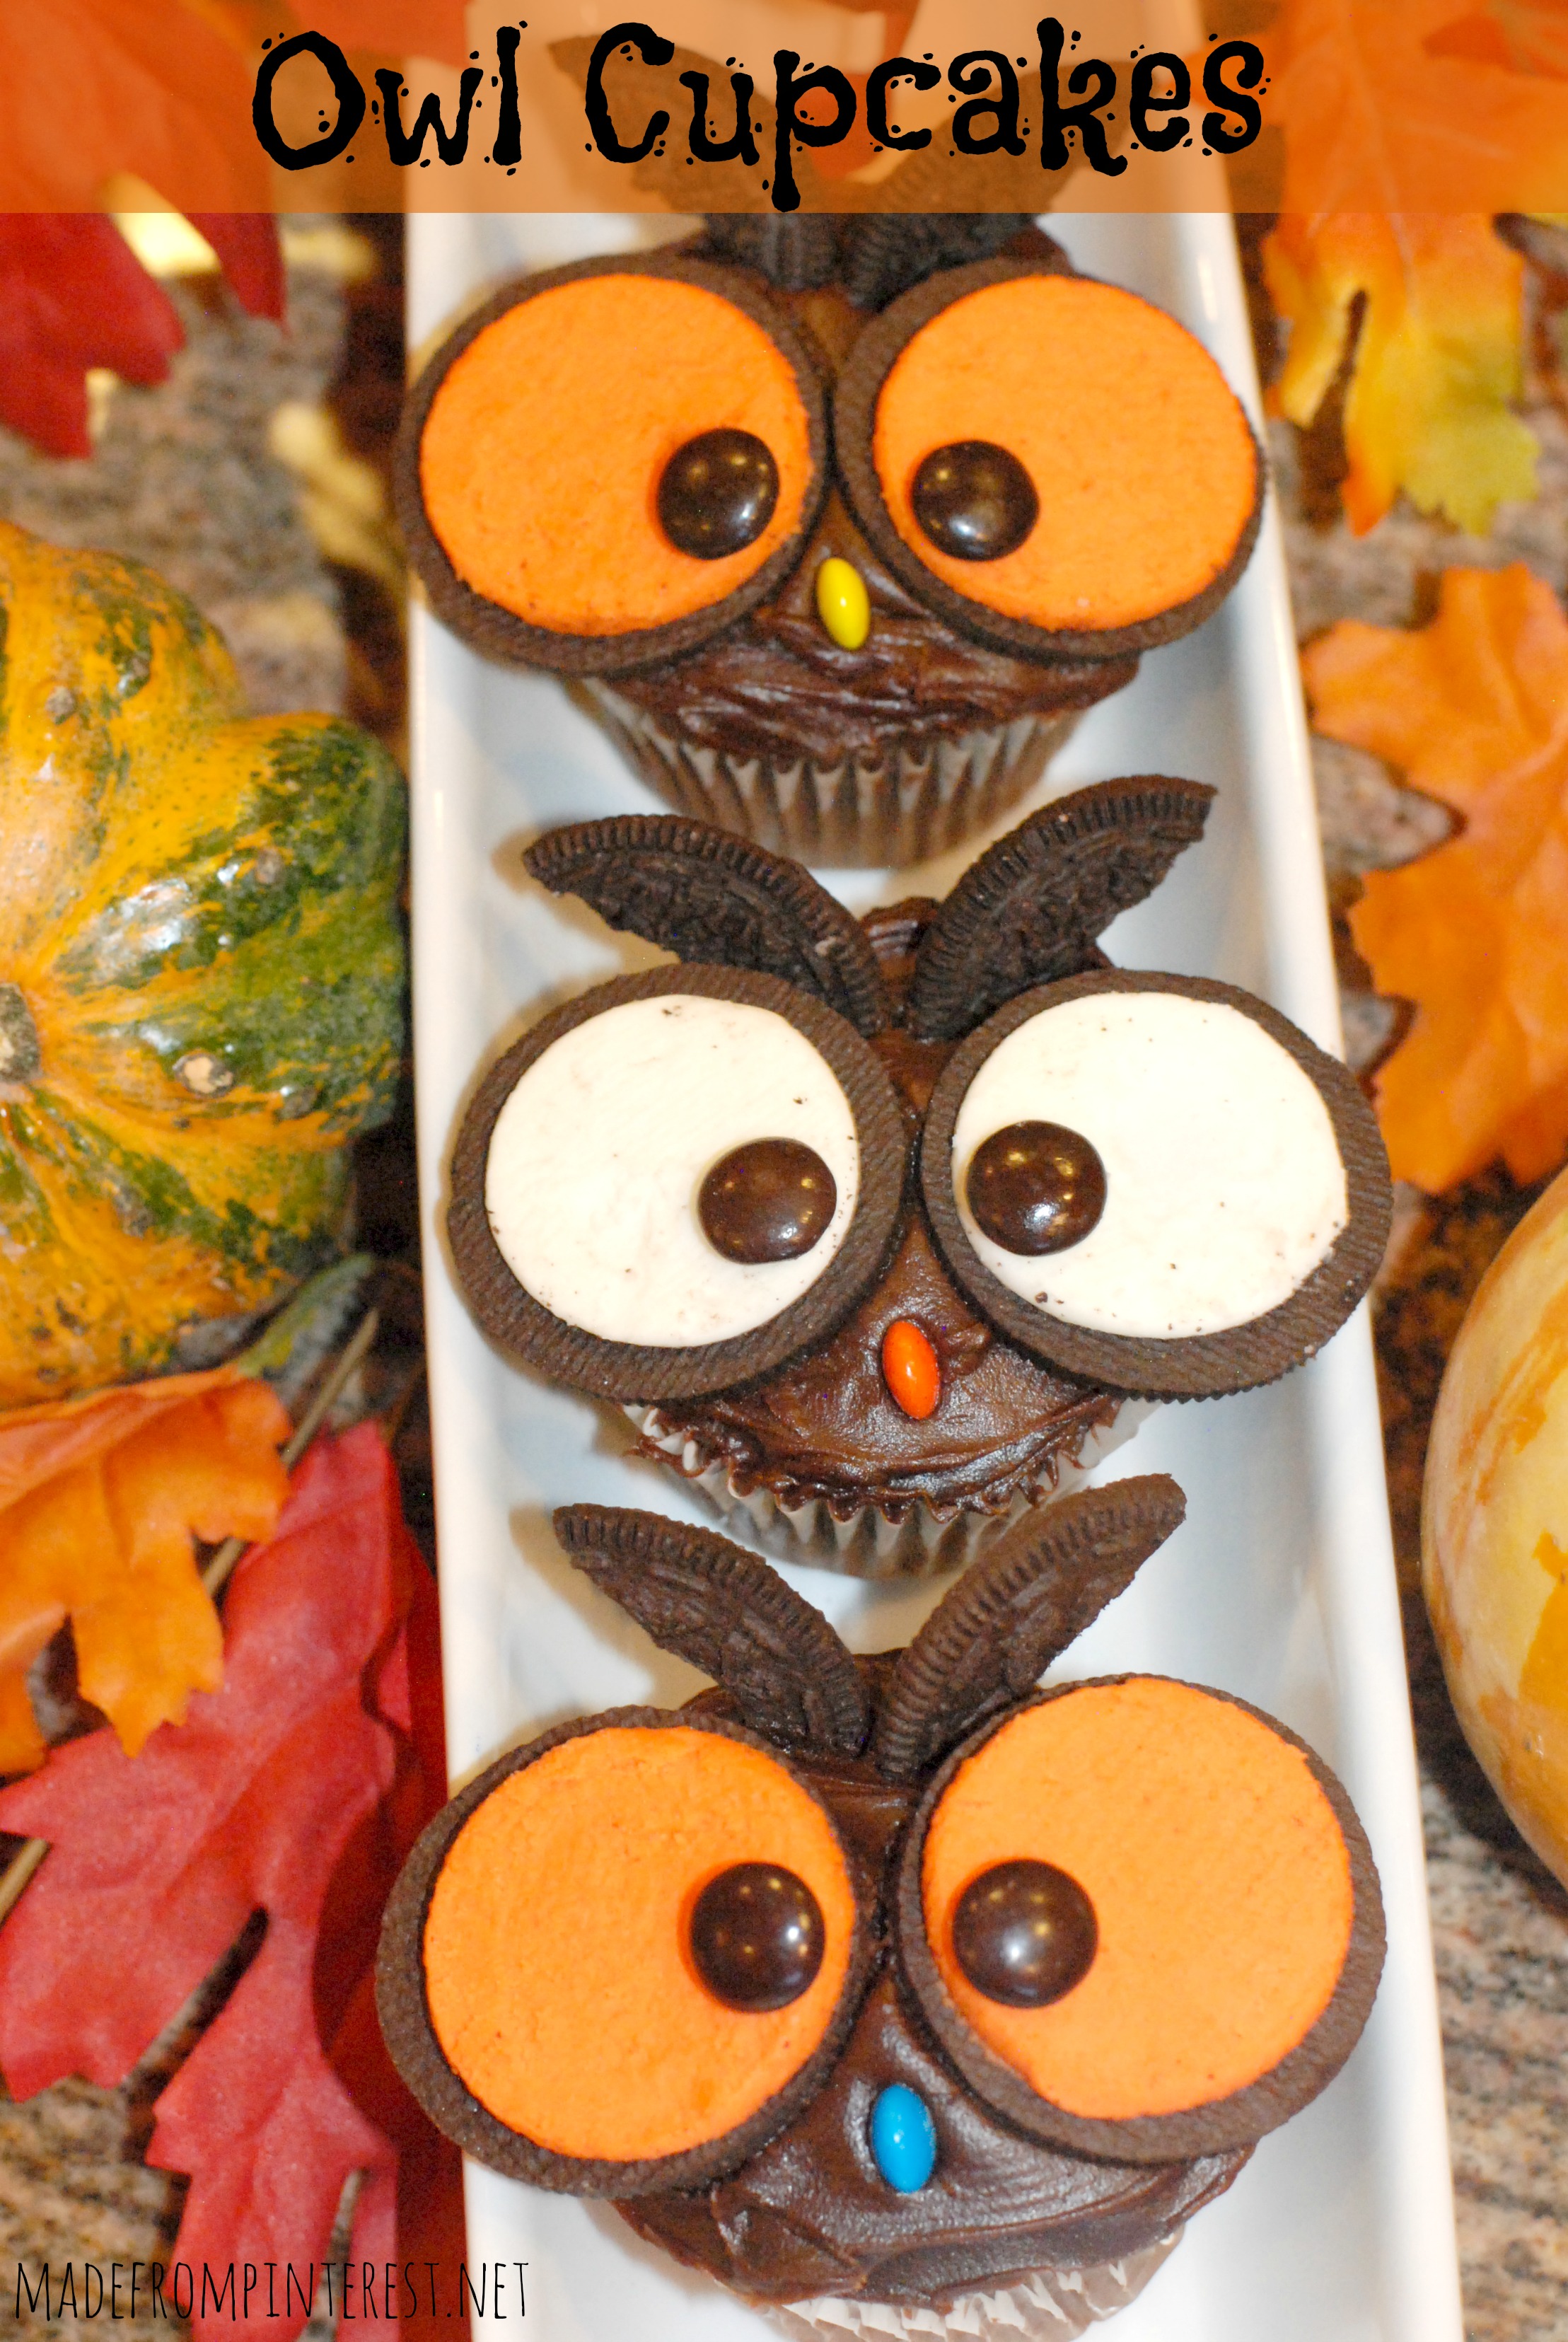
(903, 2139)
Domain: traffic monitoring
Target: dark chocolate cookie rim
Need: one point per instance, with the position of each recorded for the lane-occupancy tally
(410, 2035)
(1189, 1366)
(854, 400)
(526, 1330)
(1244, 2116)
(500, 634)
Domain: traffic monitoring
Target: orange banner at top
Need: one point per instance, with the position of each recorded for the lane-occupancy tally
(1302, 106)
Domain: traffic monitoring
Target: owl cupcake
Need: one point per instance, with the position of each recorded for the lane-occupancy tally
(837, 532)
(883, 1231)
(893, 1994)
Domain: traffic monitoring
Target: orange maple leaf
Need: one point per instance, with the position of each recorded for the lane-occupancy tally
(99, 1500)
(1438, 358)
(1473, 710)
(1416, 107)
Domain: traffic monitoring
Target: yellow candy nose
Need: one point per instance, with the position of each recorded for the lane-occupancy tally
(843, 603)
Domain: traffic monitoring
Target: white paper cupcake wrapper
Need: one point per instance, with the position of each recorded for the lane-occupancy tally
(920, 793)
(1052, 2306)
(868, 1544)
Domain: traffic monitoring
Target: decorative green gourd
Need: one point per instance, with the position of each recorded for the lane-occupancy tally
(202, 974)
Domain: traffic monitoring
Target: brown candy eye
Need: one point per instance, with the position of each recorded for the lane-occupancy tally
(770, 1199)
(718, 494)
(1035, 1187)
(756, 1936)
(973, 500)
(1025, 1933)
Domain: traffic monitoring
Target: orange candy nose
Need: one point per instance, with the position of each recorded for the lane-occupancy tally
(910, 1369)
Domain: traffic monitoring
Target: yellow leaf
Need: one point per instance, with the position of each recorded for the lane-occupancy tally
(1438, 360)
(99, 1500)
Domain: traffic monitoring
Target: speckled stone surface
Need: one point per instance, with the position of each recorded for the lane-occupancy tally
(184, 478)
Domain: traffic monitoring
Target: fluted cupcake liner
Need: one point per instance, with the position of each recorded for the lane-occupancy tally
(913, 1540)
(920, 793)
(1052, 2306)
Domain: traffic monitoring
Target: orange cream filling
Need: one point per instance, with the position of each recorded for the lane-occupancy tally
(543, 448)
(1220, 1880)
(556, 1963)
(1137, 448)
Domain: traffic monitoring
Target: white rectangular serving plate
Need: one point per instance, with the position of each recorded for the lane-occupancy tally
(1279, 1587)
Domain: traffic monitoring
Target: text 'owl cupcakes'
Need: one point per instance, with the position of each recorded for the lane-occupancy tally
(876, 1227)
(889, 1980)
(838, 560)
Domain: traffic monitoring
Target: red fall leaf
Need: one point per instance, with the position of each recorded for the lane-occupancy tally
(296, 1790)
(74, 296)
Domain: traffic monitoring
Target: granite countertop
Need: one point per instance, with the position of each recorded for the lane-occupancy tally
(254, 479)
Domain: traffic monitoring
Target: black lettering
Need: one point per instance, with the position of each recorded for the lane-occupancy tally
(270, 2295)
(406, 146)
(412, 2290)
(508, 146)
(217, 2291)
(32, 2298)
(328, 2270)
(115, 2309)
(348, 2289)
(189, 2309)
(68, 2279)
(1146, 100)
(972, 72)
(306, 2289)
(521, 2297)
(465, 2292)
(367, 2289)
(1219, 92)
(431, 2266)
(134, 2266)
(92, 2272)
(924, 76)
(653, 50)
(156, 2272)
(248, 2287)
(345, 88)
(790, 122)
(742, 147)
(1094, 83)
(498, 2279)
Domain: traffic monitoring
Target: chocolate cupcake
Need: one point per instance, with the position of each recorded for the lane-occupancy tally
(884, 1230)
(890, 1992)
(838, 537)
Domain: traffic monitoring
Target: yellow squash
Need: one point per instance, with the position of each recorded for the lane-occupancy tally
(201, 975)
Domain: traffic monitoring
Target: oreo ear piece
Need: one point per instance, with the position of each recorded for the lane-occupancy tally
(705, 893)
(991, 1639)
(708, 1601)
(1029, 910)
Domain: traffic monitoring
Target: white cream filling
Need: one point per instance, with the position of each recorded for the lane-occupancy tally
(1224, 1183)
(598, 1154)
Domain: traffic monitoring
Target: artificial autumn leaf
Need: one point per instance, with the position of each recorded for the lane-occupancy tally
(1400, 109)
(250, 255)
(91, 87)
(100, 1498)
(297, 1790)
(1473, 710)
(74, 296)
(414, 28)
(1521, 37)
(1438, 358)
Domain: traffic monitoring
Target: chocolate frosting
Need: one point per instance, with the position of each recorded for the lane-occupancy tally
(777, 685)
(824, 1425)
(810, 2213)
